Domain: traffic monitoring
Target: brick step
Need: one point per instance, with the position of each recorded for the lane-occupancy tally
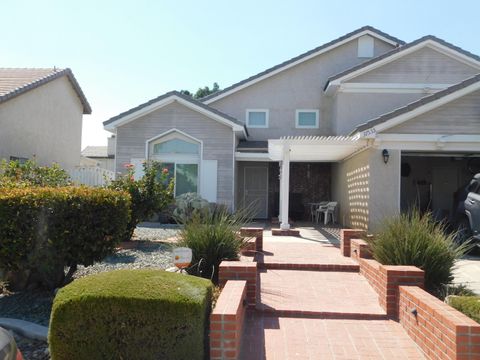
(319, 314)
(309, 267)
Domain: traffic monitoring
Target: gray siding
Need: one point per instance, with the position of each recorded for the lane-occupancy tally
(423, 66)
(353, 109)
(461, 116)
(300, 87)
(217, 141)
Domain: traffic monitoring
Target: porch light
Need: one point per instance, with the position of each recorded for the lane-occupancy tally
(385, 155)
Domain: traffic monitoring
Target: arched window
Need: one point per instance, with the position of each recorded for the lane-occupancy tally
(180, 154)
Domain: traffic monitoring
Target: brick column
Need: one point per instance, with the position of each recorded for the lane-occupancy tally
(255, 232)
(226, 321)
(395, 276)
(240, 270)
(359, 249)
(345, 237)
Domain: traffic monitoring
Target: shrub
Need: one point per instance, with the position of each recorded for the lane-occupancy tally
(213, 236)
(131, 314)
(416, 239)
(42, 230)
(16, 174)
(469, 305)
(150, 194)
(188, 204)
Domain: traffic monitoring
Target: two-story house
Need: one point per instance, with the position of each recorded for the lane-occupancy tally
(41, 114)
(366, 120)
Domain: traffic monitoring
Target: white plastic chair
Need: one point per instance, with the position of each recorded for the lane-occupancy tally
(319, 210)
(330, 209)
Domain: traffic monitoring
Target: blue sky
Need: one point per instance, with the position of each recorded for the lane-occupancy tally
(124, 53)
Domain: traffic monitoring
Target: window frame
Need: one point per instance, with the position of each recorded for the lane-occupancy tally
(176, 158)
(297, 118)
(247, 118)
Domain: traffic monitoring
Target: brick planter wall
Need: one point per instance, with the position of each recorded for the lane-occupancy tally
(359, 249)
(385, 280)
(255, 232)
(346, 235)
(240, 270)
(226, 321)
(441, 331)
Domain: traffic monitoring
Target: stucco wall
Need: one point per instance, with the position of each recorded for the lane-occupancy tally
(300, 87)
(367, 190)
(45, 122)
(217, 141)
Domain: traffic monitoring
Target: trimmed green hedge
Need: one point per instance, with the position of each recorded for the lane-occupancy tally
(131, 314)
(469, 305)
(43, 230)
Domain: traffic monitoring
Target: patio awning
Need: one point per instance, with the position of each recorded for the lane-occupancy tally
(315, 148)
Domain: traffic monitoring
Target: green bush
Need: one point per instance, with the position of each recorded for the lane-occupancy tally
(17, 174)
(150, 194)
(469, 305)
(416, 239)
(213, 236)
(131, 314)
(43, 230)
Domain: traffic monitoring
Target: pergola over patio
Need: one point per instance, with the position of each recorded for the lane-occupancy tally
(308, 148)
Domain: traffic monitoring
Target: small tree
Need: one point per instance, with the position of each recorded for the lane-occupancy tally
(202, 92)
(150, 194)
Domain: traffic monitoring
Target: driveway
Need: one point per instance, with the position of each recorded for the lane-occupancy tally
(467, 271)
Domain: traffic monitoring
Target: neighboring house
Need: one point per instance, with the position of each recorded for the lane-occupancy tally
(366, 120)
(101, 156)
(41, 114)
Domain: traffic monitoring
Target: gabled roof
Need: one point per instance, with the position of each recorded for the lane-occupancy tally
(399, 52)
(420, 106)
(366, 30)
(166, 99)
(95, 152)
(16, 81)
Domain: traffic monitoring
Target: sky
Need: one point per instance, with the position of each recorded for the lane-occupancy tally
(124, 53)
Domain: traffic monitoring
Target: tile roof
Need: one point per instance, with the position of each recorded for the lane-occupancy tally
(399, 50)
(416, 104)
(95, 152)
(306, 54)
(180, 95)
(16, 81)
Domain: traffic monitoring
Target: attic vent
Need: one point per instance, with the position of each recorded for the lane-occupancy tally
(365, 46)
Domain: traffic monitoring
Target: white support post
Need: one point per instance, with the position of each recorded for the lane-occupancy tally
(284, 188)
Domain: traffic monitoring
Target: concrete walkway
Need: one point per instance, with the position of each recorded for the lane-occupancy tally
(312, 303)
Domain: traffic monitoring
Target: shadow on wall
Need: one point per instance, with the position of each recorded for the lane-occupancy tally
(358, 188)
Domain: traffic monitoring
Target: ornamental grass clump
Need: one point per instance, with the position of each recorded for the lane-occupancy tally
(213, 236)
(416, 239)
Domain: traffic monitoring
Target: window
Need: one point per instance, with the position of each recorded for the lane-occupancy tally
(257, 118)
(180, 154)
(21, 160)
(306, 119)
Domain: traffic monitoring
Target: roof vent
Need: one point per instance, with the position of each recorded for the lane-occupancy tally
(365, 46)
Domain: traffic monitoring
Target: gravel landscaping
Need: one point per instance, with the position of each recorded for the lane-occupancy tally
(152, 249)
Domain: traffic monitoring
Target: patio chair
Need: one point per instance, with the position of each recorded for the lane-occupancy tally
(320, 209)
(330, 209)
(313, 209)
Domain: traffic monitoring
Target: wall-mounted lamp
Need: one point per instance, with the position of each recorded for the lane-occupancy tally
(385, 155)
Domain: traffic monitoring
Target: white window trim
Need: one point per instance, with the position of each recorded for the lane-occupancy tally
(317, 115)
(177, 158)
(267, 115)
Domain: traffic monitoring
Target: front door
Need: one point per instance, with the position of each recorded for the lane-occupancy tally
(255, 191)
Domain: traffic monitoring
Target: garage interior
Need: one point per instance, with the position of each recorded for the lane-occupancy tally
(429, 181)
